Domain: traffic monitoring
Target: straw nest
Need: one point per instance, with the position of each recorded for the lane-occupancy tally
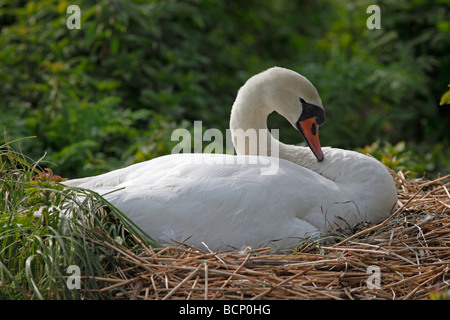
(407, 256)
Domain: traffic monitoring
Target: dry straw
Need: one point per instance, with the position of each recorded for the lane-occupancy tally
(410, 249)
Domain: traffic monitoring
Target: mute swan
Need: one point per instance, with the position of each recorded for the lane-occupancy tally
(226, 202)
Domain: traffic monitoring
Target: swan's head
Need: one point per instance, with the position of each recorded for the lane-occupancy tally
(295, 98)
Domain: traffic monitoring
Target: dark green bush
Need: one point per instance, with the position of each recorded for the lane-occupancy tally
(111, 93)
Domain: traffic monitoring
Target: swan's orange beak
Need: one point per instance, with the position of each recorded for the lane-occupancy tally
(310, 131)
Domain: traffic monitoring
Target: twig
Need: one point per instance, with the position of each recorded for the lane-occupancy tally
(193, 273)
(206, 281)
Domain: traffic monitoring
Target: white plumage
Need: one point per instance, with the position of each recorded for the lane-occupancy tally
(226, 202)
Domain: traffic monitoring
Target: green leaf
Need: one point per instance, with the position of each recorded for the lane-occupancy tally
(445, 98)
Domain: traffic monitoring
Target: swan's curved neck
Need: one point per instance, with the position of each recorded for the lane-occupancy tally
(248, 125)
(338, 165)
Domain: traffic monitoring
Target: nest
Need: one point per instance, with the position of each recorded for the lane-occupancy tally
(407, 256)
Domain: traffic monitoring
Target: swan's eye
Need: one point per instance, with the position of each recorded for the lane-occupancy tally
(313, 129)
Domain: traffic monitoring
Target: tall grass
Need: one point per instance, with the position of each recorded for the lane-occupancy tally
(46, 227)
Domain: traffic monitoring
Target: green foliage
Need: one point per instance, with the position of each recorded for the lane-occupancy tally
(443, 295)
(46, 227)
(395, 157)
(445, 99)
(408, 158)
(111, 92)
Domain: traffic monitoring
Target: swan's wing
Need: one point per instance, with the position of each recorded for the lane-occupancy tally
(231, 204)
(223, 202)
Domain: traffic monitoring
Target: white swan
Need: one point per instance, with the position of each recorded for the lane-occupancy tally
(226, 201)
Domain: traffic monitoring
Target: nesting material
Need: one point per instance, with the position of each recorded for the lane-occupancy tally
(407, 256)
